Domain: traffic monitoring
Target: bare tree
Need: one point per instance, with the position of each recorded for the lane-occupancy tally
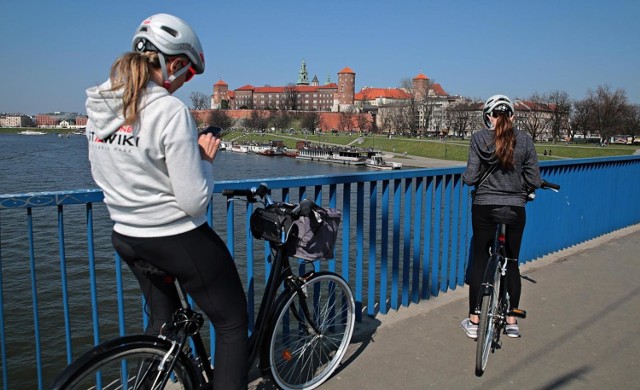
(290, 100)
(200, 101)
(632, 122)
(582, 118)
(346, 119)
(280, 119)
(411, 109)
(311, 120)
(362, 121)
(423, 103)
(533, 116)
(559, 104)
(220, 118)
(609, 109)
(461, 118)
(255, 121)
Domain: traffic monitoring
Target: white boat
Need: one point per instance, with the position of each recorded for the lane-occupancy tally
(264, 150)
(239, 148)
(32, 132)
(345, 157)
(378, 162)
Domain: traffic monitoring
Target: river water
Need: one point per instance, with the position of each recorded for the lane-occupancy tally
(52, 163)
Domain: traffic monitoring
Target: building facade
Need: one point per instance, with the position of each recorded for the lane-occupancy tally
(15, 120)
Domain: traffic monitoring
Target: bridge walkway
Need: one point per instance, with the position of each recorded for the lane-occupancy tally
(582, 331)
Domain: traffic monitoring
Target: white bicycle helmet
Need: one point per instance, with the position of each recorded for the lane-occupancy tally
(171, 36)
(497, 103)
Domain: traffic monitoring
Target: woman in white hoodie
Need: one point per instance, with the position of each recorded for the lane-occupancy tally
(157, 178)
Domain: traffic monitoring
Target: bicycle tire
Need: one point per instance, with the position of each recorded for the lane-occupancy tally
(298, 358)
(126, 363)
(486, 325)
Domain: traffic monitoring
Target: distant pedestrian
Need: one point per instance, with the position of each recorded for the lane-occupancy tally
(510, 157)
(157, 178)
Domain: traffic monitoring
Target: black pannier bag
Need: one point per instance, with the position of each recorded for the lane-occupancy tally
(317, 234)
(270, 223)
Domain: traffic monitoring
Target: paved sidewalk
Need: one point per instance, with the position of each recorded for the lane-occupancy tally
(582, 331)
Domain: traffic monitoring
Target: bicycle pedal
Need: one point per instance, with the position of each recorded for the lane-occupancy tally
(518, 313)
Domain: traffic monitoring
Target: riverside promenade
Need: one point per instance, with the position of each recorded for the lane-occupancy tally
(582, 331)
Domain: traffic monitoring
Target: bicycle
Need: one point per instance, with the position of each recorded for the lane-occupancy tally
(300, 335)
(493, 301)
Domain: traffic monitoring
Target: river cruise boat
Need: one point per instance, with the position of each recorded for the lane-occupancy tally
(336, 156)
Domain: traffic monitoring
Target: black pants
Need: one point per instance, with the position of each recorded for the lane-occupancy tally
(201, 262)
(484, 231)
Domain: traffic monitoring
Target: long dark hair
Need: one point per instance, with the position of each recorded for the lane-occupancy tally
(505, 141)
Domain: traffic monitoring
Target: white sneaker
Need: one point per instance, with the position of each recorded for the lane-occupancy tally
(512, 330)
(469, 328)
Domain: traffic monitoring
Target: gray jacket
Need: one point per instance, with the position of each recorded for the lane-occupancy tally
(502, 187)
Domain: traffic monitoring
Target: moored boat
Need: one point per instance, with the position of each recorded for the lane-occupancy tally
(336, 156)
(238, 148)
(32, 132)
(378, 162)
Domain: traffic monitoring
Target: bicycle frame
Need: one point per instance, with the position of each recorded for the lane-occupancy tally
(281, 274)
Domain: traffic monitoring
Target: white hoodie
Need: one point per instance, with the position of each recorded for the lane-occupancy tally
(154, 181)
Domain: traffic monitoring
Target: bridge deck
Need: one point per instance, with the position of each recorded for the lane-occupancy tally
(581, 331)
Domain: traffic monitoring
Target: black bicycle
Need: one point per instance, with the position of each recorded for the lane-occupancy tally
(301, 334)
(493, 301)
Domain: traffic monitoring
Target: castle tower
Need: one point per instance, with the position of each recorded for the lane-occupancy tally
(303, 76)
(421, 84)
(315, 81)
(346, 86)
(220, 93)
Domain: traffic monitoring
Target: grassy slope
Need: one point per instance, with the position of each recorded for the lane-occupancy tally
(451, 149)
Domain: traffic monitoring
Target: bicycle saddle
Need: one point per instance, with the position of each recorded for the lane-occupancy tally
(504, 215)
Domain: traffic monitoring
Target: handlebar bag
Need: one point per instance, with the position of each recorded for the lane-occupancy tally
(271, 224)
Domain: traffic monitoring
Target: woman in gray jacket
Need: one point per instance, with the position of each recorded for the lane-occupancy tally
(509, 157)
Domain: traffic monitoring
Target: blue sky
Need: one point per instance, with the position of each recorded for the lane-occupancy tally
(53, 50)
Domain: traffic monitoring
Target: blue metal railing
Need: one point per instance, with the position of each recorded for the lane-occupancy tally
(404, 238)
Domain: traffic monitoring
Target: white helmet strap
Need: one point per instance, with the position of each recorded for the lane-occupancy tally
(166, 79)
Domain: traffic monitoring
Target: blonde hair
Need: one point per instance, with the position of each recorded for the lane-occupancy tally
(505, 141)
(132, 72)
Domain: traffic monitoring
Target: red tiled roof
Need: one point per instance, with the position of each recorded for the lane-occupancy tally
(374, 93)
(297, 88)
(421, 77)
(220, 82)
(437, 89)
(247, 87)
(347, 70)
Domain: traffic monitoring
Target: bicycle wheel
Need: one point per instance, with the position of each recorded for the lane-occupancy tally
(299, 357)
(486, 326)
(129, 362)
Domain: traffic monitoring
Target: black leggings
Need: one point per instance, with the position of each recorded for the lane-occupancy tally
(483, 235)
(201, 262)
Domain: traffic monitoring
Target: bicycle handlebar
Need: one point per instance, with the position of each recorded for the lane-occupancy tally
(262, 191)
(549, 186)
(545, 186)
(301, 209)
